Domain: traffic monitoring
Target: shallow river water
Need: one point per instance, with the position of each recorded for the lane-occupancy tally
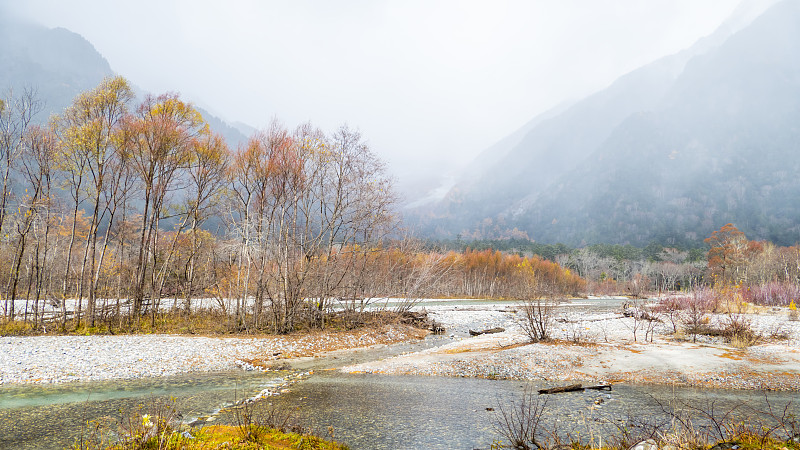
(365, 411)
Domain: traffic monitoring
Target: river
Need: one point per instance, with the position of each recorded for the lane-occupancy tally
(365, 411)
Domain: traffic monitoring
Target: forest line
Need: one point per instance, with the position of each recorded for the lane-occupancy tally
(115, 205)
(119, 204)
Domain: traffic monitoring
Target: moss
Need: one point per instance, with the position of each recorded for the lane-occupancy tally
(231, 437)
(218, 437)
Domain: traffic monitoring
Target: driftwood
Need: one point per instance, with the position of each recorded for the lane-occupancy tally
(489, 331)
(436, 327)
(574, 388)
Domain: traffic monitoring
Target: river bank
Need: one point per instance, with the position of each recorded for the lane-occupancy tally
(596, 344)
(60, 359)
(593, 342)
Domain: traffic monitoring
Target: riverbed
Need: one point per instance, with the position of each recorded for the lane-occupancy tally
(363, 410)
(442, 391)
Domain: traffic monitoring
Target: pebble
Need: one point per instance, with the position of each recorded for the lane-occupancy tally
(563, 361)
(60, 359)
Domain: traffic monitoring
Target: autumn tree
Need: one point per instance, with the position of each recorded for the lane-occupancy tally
(726, 254)
(207, 167)
(348, 204)
(160, 137)
(301, 199)
(36, 216)
(16, 114)
(93, 139)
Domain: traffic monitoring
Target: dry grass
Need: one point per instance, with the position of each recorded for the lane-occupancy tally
(157, 425)
(209, 322)
(528, 423)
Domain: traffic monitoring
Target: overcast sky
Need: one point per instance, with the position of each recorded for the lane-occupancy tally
(429, 83)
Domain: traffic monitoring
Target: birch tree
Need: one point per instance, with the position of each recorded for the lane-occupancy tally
(160, 137)
(93, 135)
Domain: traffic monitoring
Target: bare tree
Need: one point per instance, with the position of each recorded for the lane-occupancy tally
(305, 204)
(16, 114)
(92, 134)
(159, 139)
(523, 423)
(539, 302)
(538, 317)
(34, 215)
(207, 173)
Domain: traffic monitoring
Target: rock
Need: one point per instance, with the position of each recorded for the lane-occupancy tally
(200, 421)
(727, 446)
(649, 444)
(281, 366)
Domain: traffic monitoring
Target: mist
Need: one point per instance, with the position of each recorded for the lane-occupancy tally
(430, 84)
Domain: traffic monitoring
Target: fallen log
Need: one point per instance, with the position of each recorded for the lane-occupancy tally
(600, 387)
(489, 331)
(574, 388)
(560, 389)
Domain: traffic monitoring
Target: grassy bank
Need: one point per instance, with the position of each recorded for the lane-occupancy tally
(223, 437)
(158, 425)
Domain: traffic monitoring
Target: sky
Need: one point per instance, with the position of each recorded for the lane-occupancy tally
(429, 83)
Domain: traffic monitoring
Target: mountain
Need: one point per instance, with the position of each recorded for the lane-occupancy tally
(669, 152)
(59, 64)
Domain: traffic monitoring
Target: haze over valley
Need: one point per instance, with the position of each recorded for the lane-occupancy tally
(663, 153)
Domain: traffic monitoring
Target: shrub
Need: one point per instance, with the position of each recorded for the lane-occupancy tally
(774, 293)
(538, 317)
(691, 310)
(528, 424)
(150, 426)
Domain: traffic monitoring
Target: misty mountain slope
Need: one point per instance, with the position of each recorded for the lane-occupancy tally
(232, 134)
(556, 145)
(503, 179)
(669, 152)
(722, 146)
(59, 64)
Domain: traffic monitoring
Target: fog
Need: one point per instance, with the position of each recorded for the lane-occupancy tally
(429, 83)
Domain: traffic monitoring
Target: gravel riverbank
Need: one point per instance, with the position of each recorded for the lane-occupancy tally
(59, 359)
(596, 345)
(593, 343)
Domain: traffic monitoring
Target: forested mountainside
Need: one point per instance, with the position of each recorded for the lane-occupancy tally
(669, 153)
(57, 63)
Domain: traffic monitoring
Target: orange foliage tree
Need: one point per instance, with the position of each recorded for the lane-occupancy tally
(726, 255)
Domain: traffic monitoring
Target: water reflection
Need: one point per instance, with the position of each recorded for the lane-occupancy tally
(405, 412)
(52, 417)
(365, 411)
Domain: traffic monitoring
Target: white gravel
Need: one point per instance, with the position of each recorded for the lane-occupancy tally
(592, 344)
(58, 359)
(599, 346)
